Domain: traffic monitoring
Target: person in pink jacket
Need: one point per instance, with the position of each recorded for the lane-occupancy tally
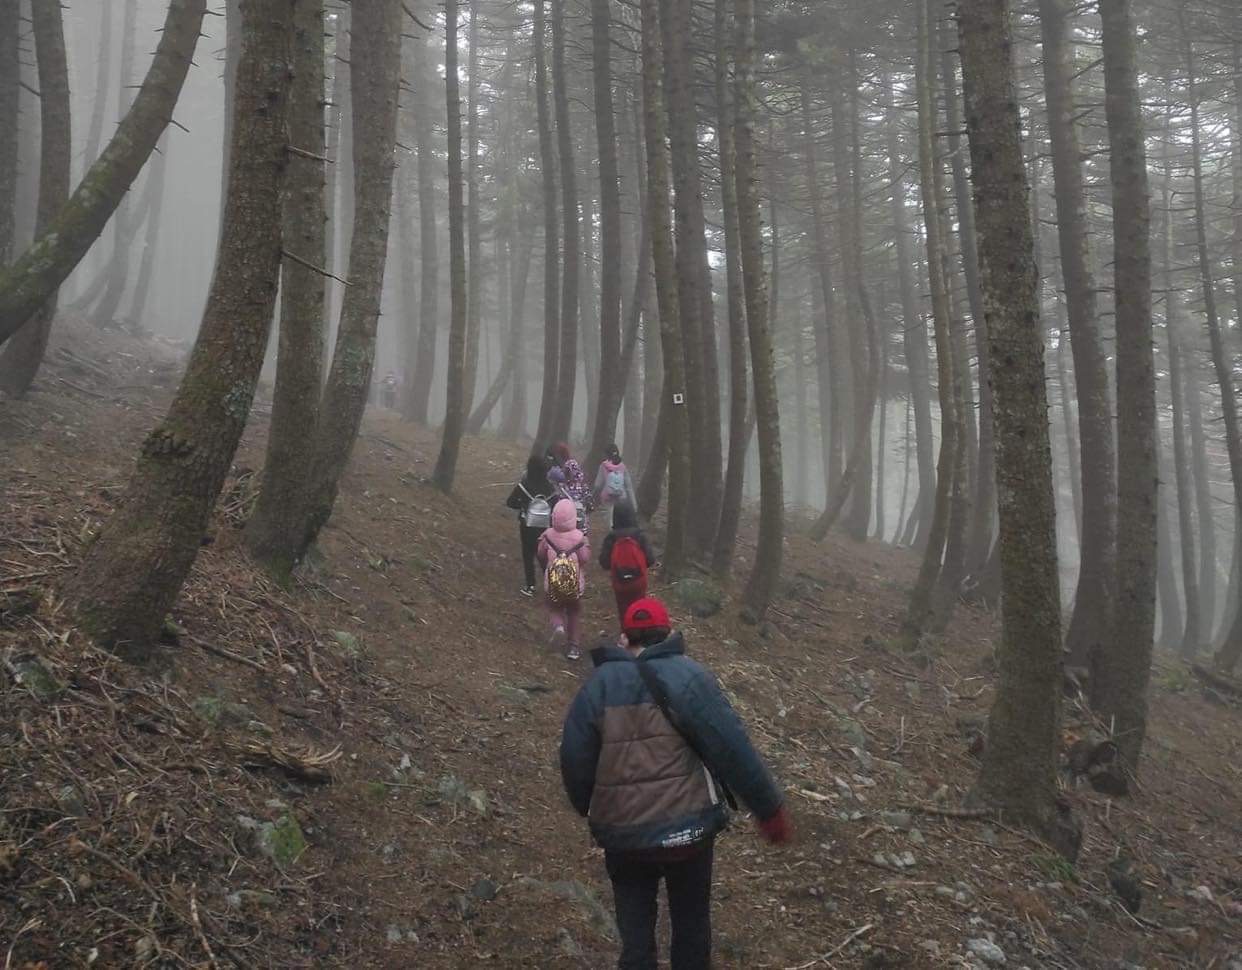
(564, 538)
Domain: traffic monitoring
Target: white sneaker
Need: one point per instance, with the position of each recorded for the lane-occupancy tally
(527, 591)
(574, 653)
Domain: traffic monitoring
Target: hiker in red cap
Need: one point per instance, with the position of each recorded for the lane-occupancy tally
(651, 754)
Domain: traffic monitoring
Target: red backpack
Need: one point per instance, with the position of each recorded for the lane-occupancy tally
(629, 563)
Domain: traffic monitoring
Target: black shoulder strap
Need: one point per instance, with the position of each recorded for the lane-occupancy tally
(660, 696)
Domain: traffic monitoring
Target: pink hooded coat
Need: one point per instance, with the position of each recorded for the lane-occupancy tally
(563, 536)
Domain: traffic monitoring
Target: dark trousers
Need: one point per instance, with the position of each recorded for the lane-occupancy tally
(627, 595)
(636, 889)
(530, 541)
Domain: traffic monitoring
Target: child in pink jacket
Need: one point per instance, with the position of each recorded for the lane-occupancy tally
(563, 537)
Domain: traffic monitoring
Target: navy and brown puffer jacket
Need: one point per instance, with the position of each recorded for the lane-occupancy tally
(634, 776)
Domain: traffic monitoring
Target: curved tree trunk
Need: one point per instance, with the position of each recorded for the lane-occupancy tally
(29, 282)
(455, 391)
(1095, 596)
(1121, 669)
(130, 576)
(766, 572)
(1019, 771)
(274, 529)
(22, 355)
(374, 83)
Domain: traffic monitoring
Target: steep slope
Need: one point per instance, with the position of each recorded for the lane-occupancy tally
(398, 713)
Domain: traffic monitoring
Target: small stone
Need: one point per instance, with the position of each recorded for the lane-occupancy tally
(569, 946)
(394, 934)
(853, 732)
(988, 835)
(917, 837)
(1203, 893)
(485, 890)
(987, 951)
(897, 820)
(145, 948)
(931, 948)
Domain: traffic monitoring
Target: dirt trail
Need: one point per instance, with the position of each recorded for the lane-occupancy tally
(135, 806)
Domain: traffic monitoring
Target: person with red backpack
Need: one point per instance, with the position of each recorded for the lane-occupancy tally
(627, 556)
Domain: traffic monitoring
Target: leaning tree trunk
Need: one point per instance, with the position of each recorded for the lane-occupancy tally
(673, 422)
(21, 356)
(10, 84)
(130, 576)
(1121, 669)
(919, 616)
(275, 526)
(374, 84)
(1019, 771)
(739, 396)
(418, 390)
(455, 392)
(567, 367)
(1096, 592)
(28, 283)
(766, 573)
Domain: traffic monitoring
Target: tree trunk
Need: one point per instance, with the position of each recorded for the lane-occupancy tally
(983, 486)
(1191, 634)
(21, 356)
(673, 426)
(103, 81)
(1094, 600)
(1168, 600)
(509, 373)
(1121, 669)
(1019, 771)
(914, 329)
(10, 86)
(374, 83)
(567, 369)
(588, 321)
(698, 328)
(418, 389)
(765, 575)
(731, 500)
(273, 531)
(919, 616)
(474, 235)
(35, 276)
(130, 576)
(1204, 503)
(611, 379)
(455, 407)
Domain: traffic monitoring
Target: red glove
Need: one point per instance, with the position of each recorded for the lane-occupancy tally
(778, 829)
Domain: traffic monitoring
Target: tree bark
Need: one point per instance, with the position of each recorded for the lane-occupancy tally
(474, 233)
(611, 378)
(739, 396)
(1121, 669)
(766, 572)
(673, 428)
(693, 277)
(1019, 770)
(130, 576)
(1095, 596)
(273, 531)
(151, 237)
(374, 83)
(455, 391)
(22, 355)
(34, 277)
(918, 617)
(567, 368)
(103, 77)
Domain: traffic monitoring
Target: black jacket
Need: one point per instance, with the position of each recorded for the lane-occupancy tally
(534, 482)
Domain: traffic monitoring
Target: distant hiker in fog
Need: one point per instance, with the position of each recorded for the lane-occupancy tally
(627, 556)
(564, 551)
(569, 477)
(650, 753)
(613, 485)
(530, 499)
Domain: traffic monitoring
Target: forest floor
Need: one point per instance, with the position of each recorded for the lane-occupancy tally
(361, 771)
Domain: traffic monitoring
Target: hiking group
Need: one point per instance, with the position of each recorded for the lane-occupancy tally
(652, 753)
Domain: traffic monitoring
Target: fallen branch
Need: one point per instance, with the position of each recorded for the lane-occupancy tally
(861, 931)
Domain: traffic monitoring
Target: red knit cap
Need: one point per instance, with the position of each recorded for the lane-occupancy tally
(647, 613)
